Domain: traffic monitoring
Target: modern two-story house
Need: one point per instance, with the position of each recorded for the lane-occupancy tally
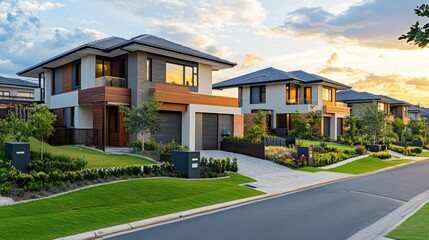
(16, 94)
(85, 85)
(280, 94)
(398, 108)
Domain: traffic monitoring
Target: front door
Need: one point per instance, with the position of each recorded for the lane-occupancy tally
(210, 132)
(327, 126)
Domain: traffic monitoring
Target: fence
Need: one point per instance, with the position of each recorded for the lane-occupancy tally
(72, 136)
(280, 141)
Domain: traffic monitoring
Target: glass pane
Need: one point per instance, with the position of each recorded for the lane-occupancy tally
(308, 95)
(148, 69)
(24, 94)
(188, 76)
(263, 97)
(6, 93)
(195, 79)
(78, 74)
(99, 69)
(107, 68)
(174, 74)
(292, 95)
(327, 94)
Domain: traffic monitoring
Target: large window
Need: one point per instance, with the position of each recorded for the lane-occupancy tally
(382, 106)
(292, 93)
(103, 68)
(181, 74)
(327, 94)
(257, 94)
(77, 74)
(42, 85)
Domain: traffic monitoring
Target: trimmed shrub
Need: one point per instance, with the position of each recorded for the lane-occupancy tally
(404, 150)
(217, 167)
(323, 159)
(236, 139)
(360, 149)
(417, 150)
(382, 155)
(53, 162)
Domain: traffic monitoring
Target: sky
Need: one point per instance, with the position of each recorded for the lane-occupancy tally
(351, 41)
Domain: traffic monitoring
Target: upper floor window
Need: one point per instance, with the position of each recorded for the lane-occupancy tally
(42, 85)
(103, 68)
(181, 74)
(292, 93)
(327, 94)
(381, 106)
(240, 96)
(4, 93)
(24, 94)
(257, 94)
(307, 95)
(77, 74)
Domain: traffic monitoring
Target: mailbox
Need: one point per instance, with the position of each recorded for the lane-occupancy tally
(19, 154)
(187, 162)
(308, 153)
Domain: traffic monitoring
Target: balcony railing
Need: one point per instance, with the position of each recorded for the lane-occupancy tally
(111, 82)
(301, 101)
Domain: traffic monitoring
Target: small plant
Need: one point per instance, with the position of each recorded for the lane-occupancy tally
(360, 149)
(173, 146)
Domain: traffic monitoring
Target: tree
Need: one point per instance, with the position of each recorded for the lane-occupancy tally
(259, 128)
(417, 129)
(398, 127)
(372, 120)
(142, 119)
(42, 122)
(352, 132)
(313, 122)
(4, 131)
(21, 130)
(418, 35)
(299, 129)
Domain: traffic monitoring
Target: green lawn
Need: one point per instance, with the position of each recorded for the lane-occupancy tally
(113, 204)
(423, 154)
(306, 143)
(95, 158)
(414, 228)
(364, 165)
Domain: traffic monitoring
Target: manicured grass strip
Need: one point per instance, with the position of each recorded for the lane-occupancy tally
(307, 143)
(423, 154)
(364, 165)
(112, 204)
(414, 228)
(95, 159)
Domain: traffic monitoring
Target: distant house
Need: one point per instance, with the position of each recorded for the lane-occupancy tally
(355, 99)
(424, 113)
(398, 108)
(414, 112)
(280, 94)
(85, 85)
(15, 93)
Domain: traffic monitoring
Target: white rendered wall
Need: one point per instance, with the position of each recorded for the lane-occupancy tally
(83, 117)
(63, 100)
(48, 87)
(204, 79)
(88, 71)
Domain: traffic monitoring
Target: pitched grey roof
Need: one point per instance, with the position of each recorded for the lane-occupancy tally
(414, 109)
(394, 100)
(424, 112)
(17, 82)
(112, 43)
(355, 96)
(270, 75)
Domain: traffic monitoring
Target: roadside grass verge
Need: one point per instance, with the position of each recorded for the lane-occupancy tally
(364, 165)
(307, 143)
(113, 204)
(414, 228)
(423, 154)
(95, 158)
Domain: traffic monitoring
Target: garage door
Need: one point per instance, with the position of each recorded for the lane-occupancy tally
(210, 132)
(171, 127)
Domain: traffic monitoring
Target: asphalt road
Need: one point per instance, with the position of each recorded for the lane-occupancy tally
(334, 211)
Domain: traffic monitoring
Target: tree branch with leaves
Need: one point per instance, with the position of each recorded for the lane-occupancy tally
(418, 35)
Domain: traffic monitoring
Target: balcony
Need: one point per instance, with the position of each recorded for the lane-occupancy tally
(105, 94)
(111, 82)
(16, 99)
(337, 108)
(301, 101)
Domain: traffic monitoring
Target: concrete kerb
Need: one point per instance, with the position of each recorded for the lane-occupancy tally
(392, 220)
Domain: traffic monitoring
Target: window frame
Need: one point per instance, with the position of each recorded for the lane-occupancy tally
(149, 69)
(262, 91)
(103, 60)
(330, 91)
(194, 74)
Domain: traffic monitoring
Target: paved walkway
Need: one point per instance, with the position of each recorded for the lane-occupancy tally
(272, 177)
(344, 162)
(6, 201)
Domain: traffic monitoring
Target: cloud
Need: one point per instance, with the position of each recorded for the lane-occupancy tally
(63, 37)
(175, 2)
(250, 60)
(354, 72)
(376, 23)
(421, 83)
(333, 58)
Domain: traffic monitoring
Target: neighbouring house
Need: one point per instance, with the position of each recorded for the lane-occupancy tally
(414, 113)
(424, 113)
(16, 94)
(398, 108)
(355, 99)
(85, 85)
(280, 94)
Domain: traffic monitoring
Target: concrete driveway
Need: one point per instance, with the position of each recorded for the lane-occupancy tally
(272, 177)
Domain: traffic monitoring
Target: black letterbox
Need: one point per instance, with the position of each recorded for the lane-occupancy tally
(19, 153)
(187, 162)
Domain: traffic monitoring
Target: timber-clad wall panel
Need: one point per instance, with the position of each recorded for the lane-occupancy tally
(176, 94)
(105, 94)
(67, 77)
(332, 109)
(98, 121)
